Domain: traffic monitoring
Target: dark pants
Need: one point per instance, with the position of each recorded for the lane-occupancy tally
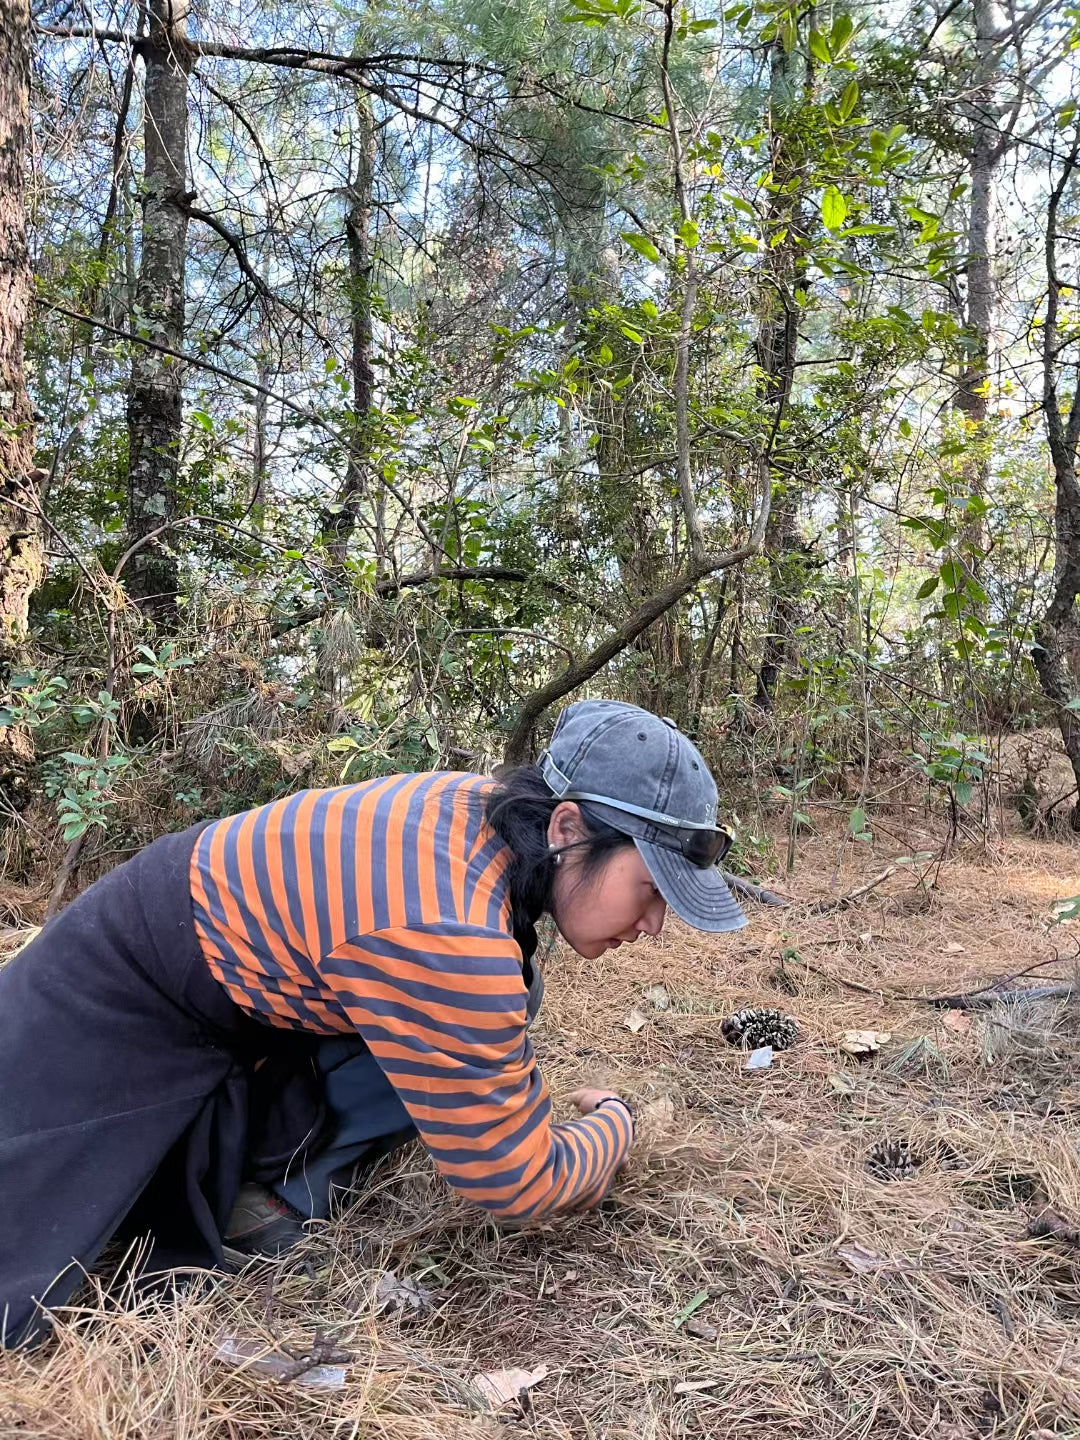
(366, 1120)
(128, 1091)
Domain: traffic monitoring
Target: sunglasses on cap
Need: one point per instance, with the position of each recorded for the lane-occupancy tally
(702, 845)
(703, 848)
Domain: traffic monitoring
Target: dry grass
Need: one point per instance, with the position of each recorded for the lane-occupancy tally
(842, 1306)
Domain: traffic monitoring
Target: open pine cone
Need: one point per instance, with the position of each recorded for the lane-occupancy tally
(755, 1027)
(893, 1160)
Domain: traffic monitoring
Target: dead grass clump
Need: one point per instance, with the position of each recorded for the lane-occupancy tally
(749, 1274)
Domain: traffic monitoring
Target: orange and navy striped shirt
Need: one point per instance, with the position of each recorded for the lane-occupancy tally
(383, 908)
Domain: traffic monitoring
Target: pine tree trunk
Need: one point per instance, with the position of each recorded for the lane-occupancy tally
(338, 526)
(1057, 635)
(21, 549)
(972, 400)
(155, 400)
(777, 342)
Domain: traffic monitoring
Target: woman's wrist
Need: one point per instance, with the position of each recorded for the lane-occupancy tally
(617, 1100)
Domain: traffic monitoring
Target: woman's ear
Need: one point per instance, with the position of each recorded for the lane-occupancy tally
(565, 826)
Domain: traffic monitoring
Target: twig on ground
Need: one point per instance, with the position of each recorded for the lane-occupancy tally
(981, 1000)
(983, 995)
(823, 907)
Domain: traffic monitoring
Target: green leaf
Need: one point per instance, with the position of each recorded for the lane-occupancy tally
(632, 334)
(605, 357)
(1065, 114)
(833, 207)
(689, 1309)
(857, 821)
(1074, 703)
(696, 27)
(819, 46)
(642, 244)
(849, 99)
(927, 588)
(840, 34)
(905, 428)
(688, 234)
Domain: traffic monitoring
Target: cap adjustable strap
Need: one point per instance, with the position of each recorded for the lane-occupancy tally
(656, 816)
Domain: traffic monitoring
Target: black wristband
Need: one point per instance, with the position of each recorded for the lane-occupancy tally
(617, 1100)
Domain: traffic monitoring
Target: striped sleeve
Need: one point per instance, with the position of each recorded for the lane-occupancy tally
(442, 1007)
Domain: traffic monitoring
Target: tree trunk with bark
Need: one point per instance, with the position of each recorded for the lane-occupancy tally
(1057, 635)
(155, 400)
(777, 343)
(337, 525)
(22, 562)
(987, 147)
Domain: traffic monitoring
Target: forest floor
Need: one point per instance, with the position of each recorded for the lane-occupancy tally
(749, 1275)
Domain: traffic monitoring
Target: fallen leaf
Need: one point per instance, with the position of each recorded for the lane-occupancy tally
(952, 948)
(569, 1277)
(658, 997)
(690, 1387)
(866, 936)
(635, 1021)
(841, 1084)
(688, 1309)
(394, 1294)
(864, 1261)
(759, 1059)
(700, 1328)
(658, 1113)
(499, 1387)
(863, 1042)
(956, 1020)
(861, 1260)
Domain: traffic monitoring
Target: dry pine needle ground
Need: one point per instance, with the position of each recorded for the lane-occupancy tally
(750, 1275)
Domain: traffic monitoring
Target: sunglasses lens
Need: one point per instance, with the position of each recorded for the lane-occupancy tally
(704, 848)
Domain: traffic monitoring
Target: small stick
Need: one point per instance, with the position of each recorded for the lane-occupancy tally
(983, 1000)
(823, 907)
(966, 1000)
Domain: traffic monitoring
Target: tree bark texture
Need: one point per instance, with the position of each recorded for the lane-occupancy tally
(155, 400)
(338, 526)
(777, 344)
(22, 561)
(21, 549)
(987, 148)
(1057, 635)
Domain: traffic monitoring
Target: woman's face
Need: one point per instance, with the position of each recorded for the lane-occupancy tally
(612, 906)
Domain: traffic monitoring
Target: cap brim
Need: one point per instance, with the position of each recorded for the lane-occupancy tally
(700, 897)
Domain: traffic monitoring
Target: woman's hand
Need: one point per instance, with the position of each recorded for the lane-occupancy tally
(588, 1099)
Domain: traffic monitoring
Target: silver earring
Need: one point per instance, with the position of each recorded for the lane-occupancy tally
(553, 851)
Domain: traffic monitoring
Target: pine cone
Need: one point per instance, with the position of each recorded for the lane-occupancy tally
(893, 1160)
(755, 1027)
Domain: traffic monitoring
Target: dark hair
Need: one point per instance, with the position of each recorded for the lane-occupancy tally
(519, 810)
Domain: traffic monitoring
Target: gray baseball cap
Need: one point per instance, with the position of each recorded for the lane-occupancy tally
(641, 775)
